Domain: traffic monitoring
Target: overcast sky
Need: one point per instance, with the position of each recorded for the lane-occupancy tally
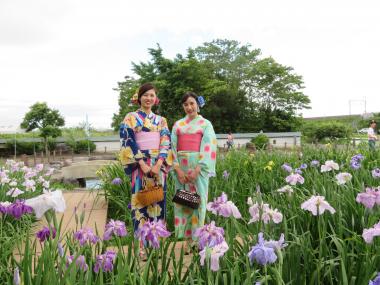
(72, 53)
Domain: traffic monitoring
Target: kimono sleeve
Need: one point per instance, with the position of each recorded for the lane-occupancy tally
(174, 142)
(164, 140)
(129, 152)
(207, 155)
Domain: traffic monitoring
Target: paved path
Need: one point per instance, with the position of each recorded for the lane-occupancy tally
(78, 201)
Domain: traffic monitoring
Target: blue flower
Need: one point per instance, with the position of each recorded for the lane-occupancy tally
(287, 167)
(303, 166)
(314, 163)
(375, 281)
(117, 181)
(201, 101)
(261, 253)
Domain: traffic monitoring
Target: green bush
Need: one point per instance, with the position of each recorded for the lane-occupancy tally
(261, 141)
(23, 147)
(330, 131)
(81, 145)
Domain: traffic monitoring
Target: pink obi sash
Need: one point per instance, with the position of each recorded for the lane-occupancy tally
(189, 142)
(148, 140)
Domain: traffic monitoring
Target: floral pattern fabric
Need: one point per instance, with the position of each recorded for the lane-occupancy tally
(130, 153)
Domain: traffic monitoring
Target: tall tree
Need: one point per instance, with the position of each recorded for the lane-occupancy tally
(45, 119)
(243, 92)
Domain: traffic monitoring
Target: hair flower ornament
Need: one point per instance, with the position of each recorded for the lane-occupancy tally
(201, 101)
(134, 99)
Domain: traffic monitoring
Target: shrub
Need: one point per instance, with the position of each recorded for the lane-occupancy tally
(261, 141)
(81, 145)
(23, 147)
(330, 131)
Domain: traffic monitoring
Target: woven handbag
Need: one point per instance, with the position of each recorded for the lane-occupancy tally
(150, 194)
(187, 198)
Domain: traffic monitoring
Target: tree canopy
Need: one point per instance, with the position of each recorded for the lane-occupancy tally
(47, 120)
(243, 92)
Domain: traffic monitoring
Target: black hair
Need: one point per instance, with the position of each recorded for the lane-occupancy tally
(144, 88)
(189, 94)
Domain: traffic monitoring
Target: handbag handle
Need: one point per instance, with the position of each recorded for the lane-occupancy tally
(156, 178)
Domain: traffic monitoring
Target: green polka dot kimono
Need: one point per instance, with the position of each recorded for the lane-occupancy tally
(187, 220)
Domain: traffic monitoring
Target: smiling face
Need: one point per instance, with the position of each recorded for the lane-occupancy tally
(190, 107)
(148, 99)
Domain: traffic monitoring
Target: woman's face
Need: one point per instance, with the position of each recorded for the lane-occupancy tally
(148, 99)
(191, 107)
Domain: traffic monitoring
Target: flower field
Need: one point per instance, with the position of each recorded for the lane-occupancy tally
(273, 218)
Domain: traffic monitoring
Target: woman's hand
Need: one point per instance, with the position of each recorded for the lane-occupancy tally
(181, 176)
(144, 168)
(193, 174)
(156, 168)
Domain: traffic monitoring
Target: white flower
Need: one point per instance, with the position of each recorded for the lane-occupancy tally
(343, 177)
(14, 192)
(273, 215)
(30, 185)
(329, 165)
(49, 200)
(265, 213)
(13, 183)
(46, 184)
(286, 189)
(5, 203)
(317, 205)
(294, 178)
(214, 253)
(4, 180)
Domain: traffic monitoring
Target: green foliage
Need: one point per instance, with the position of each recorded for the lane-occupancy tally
(79, 146)
(24, 147)
(325, 249)
(243, 92)
(45, 119)
(330, 131)
(261, 141)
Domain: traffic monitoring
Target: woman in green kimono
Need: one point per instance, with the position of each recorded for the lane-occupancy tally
(194, 148)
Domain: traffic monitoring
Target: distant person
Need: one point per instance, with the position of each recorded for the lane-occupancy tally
(372, 138)
(230, 141)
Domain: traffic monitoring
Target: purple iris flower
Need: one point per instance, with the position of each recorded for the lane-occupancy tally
(375, 281)
(85, 235)
(114, 227)
(117, 181)
(45, 233)
(225, 174)
(221, 206)
(314, 163)
(356, 161)
(209, 235)
(287, 167)
(105, 261)
(18, 208)
(61, 251)
(376, 173)
(80, 262)
(151, 231)
(261, 253)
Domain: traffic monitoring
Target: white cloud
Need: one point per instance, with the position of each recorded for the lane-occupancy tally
(71, 54)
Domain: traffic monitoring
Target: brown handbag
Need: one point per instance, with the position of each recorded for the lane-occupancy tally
(150, 194)
(187, 198)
